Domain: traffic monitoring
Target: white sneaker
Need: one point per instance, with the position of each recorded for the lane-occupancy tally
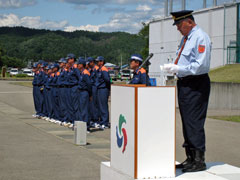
(59, 122)
(56, 121)
(34, 115)
(64, 124)
(67, 124)
(102, 127)
(52, 120)
(96, 125)
(70, 126)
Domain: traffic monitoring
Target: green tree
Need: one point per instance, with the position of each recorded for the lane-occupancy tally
(144, 34)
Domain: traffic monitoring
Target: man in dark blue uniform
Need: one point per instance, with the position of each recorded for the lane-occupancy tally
(140, 75)
(73, 77)
(52, 94)
(55, 94)
(45, 69)
(48, 87)
(192, 67)
(63, 114)
(39, 89)
(94, 110)
(85, 93)
(35, 88)
(103, 88)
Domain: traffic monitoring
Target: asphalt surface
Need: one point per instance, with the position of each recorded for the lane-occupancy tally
(35, 149)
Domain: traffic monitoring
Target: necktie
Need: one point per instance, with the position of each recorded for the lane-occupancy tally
(180, 52)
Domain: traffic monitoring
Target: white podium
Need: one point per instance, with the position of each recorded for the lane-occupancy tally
(142, 131)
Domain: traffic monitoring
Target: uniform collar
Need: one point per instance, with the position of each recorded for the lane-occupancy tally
(137, 70)
(192, 31)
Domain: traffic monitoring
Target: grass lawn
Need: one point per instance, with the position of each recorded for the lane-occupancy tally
(227, 118)
(228, 73)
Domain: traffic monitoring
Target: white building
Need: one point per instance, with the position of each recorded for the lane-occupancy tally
(221, 23)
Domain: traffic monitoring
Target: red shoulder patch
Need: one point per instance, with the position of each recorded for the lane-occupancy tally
(104, 69)
(201, 48)
(86, 72)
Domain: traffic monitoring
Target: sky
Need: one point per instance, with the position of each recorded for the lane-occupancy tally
(91, 15)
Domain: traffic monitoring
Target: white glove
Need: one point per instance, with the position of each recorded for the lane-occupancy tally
(171, 68)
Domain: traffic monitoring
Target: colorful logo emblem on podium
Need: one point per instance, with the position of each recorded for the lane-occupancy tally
(121, 133)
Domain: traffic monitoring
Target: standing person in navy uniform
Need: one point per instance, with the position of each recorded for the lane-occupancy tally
(45, 69)
(55, 93)
(103, 88)
(73, 77)
(48, 92)
(40, 87)
(94, 110)
(35, 88)
(192, 67)
(61, 82)
(85, 93)
(140, 75)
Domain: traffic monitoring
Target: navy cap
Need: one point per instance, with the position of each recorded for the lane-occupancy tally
(90, 59)
(62, 60)
(35, 65)
(41, 61)
(81, 60)
(56, 65)
(136, 57)
(50, 66)
(47, 68)
(70, 56)
(44, 64)
(178, 16)
(100, 58)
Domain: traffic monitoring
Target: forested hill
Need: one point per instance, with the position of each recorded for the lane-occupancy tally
(33, 44)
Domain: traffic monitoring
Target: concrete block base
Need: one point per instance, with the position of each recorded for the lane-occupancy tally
(215, 171)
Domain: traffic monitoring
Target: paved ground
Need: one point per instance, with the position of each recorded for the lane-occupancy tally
(34, 149)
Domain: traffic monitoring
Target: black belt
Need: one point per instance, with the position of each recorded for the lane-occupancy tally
(70, 86)
(192, 77)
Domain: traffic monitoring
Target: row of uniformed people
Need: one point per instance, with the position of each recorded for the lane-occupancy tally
(72, 91)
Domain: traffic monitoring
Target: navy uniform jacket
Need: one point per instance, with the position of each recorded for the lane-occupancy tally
(103, 78)
(41, 78)
(62, 78)
(73, 76)
(84, 82)
(55, 79)
(45, 79)
(93, 75)
(48, 82)
(34, 82)
(140, 77)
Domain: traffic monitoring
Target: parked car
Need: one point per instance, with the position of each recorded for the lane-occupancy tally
(126, 74)
(112, 75)
(28, 72)
(14, 72)
(9, 69)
